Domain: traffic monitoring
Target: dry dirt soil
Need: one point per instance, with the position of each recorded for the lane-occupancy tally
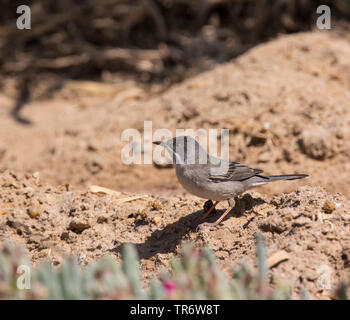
(287, 105)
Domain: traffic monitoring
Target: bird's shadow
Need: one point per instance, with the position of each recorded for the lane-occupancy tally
(166, 239)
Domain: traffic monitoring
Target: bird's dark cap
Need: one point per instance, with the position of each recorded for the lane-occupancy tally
(157, 142)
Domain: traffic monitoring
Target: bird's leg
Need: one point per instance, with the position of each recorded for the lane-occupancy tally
(210, 210)
(231, 203)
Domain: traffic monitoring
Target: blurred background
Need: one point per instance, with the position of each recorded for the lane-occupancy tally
(149, 41)
(87, 70)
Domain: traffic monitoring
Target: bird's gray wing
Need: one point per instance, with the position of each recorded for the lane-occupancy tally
(233, 171)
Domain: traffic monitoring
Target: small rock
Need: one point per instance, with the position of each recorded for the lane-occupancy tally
(36, 176)
(156, 205)
(277, 258)
(264, 157)
(221, 96)
(102, 219)
(78, 226)
(20, 227)
(68, 236)
(65, 235)
(317, 143)
(157, 220)
(34, 210)
(329, 206)
(300, 222)
(276, 225)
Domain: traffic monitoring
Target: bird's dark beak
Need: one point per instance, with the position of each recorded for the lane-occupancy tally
(157, 142)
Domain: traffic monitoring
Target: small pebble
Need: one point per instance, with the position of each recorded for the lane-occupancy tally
(329, 206)
(156, 220)
(156, 205)
(34, 210)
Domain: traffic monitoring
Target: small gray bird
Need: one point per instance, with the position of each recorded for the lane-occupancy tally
(212, 178)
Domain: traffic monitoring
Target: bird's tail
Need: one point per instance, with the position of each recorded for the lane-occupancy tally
(286, 177)
(259, 180)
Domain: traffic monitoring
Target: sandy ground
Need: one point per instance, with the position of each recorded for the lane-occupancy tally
(306, 231)
(287, 105)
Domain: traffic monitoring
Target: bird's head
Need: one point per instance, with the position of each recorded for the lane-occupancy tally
(183, 149)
